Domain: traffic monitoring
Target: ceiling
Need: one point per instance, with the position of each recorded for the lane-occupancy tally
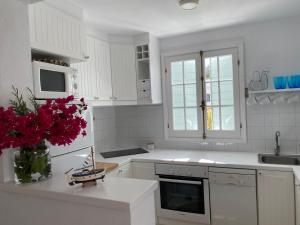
(165, 18)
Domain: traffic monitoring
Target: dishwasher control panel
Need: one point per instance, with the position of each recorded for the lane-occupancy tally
(232, 179)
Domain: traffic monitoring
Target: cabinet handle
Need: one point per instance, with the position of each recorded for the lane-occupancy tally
(96, 98)
(86, 57)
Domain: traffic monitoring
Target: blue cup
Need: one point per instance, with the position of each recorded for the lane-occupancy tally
(294, 81)
(280, 82)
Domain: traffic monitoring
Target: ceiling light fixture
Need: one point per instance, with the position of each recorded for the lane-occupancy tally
(188, 4)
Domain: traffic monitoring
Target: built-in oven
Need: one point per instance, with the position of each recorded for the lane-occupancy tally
(183, 193)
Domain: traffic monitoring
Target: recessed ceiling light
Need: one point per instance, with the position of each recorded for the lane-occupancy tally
(188, 4)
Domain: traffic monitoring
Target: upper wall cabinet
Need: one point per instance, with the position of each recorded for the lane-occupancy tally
(123, 72)
(148, 69)
(95, 73)
(54, 32)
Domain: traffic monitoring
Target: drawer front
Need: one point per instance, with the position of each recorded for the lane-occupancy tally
(144, 83)
(144, 93)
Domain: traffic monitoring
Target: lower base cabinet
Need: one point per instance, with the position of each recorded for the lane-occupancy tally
(276, 197)
(143, 170)
(122, 171)
(297, 192)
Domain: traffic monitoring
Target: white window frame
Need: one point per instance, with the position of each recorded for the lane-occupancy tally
(189, 133)
(236, 90)
(213, 136)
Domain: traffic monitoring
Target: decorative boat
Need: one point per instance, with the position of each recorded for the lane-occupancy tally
(86, 175)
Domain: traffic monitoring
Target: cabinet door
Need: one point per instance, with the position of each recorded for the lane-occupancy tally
(55, 32)
(103, 70)
(141, 170)
(122, 171)
(276, 199)
(298, 204)
(123, 72)
(87, 73)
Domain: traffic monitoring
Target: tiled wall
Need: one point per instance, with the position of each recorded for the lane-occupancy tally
(105, 128)
(131, 126)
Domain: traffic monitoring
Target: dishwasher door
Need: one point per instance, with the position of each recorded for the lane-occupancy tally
(233, 198)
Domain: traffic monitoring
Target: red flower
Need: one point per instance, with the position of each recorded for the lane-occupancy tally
(57, 121)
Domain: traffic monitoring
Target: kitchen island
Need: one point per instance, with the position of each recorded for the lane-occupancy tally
(116, 201)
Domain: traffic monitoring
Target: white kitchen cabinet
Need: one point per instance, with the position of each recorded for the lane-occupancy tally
(143, 170)
(103, 70)
(122, 171)
(95, 73)
(148, 69)
(123, 72)
(54, 32)
(297, 192)
(276, 198)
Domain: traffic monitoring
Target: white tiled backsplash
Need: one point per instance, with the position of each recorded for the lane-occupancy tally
(131, 126)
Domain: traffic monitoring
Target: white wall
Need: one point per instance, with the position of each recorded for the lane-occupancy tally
(273, 45)
(270, 45)
(15, 59)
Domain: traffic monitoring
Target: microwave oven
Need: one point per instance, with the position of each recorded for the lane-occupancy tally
(53, 81)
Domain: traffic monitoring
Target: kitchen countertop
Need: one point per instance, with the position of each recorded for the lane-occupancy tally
(207, 158)
(114, 193)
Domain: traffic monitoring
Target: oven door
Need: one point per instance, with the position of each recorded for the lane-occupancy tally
(185, 200)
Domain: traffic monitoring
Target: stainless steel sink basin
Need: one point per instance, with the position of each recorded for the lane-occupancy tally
(280, 159)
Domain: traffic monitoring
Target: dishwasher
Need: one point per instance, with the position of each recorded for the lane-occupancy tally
(233, 198)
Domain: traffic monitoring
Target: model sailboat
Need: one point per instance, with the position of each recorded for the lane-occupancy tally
(88, 174)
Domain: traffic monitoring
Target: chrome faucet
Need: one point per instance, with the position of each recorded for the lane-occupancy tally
(277, 146)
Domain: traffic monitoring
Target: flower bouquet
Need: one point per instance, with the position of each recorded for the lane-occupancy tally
(30, 128)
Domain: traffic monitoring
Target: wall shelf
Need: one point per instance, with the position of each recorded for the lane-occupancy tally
(271, 91)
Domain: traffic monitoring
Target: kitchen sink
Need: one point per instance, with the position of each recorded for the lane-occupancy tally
(279, 159)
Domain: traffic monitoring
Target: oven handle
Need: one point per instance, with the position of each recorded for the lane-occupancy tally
(180, 181)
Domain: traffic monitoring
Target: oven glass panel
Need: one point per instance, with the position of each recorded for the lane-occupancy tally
(182, 197)
(52, 81)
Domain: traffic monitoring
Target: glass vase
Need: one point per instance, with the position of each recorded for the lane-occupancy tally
(32, 165)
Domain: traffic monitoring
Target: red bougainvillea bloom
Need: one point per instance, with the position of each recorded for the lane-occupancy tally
(57, 121)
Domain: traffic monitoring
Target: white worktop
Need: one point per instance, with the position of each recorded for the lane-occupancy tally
(114, 193)
(207, 158)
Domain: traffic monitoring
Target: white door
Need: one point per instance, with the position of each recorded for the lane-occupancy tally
(87, 76)
(276, 198)
(103, 70)
(123, 72)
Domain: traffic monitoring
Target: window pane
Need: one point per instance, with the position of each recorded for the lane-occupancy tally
(213, 118)
(190, 95)
(212, 93)
(226, 93)
(177, 72)
(208, 94)
(191, 119)
(178, 119)
(214, 68)
(177, 96)
(189, 71)
(207, 69)
(225, 67)
(227, 118)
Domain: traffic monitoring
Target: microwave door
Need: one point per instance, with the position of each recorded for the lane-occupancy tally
(52, 81)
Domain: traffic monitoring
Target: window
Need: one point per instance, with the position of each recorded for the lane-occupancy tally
(208, 107)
